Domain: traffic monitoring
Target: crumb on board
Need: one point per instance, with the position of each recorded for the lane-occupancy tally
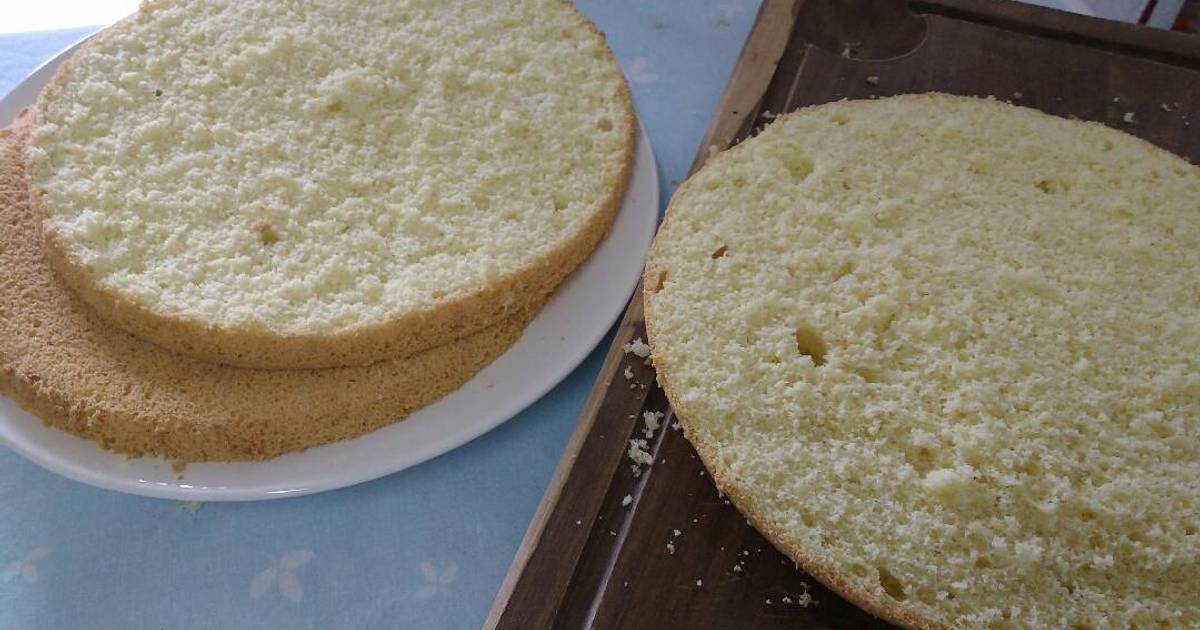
(637, 347)
(872, 80)
(675, 425)
(737, 568)
(671, 548)
(627, 500)
(699, 582)
(1128, 118)
(628, 372)
(675, 532)
(653, 420)
(1018, 95)
(638, 453)
(768, 115)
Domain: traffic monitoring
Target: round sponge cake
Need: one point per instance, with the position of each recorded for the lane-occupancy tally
(945, 353)
(273, 184)
(80, 374)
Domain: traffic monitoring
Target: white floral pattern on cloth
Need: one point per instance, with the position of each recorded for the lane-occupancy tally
(730, 10)
(640, 72)
(436, 581)
(26, 566)
(283, 575)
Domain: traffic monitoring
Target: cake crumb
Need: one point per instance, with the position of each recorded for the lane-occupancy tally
(628, 372)
(671, 549)
(1128, 118)
(638, 453)
(699, 582)
(653, 420)
(627, 500)
(872, 80)
(675, 532)
(1018, 95)
(637, 347)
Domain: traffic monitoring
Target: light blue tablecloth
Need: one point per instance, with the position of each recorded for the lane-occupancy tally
(425, 548)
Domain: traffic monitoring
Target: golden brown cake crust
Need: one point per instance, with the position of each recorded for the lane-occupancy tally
(507, 296)
(62, 362)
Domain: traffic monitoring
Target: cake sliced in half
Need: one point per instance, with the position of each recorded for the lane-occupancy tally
(328, 183)
(62, 362)
(945, 353)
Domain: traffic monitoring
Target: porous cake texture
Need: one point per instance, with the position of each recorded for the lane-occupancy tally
(328, 183)
(945, 353)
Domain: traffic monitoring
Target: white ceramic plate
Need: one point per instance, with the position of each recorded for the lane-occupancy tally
(572, 323)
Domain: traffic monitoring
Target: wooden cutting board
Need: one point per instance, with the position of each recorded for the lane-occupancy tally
(611, 549)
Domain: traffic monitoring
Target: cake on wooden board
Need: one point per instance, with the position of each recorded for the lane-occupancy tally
(945, 353)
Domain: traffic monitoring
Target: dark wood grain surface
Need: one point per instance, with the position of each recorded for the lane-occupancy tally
(678, 555)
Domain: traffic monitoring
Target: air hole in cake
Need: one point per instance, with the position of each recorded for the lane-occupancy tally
(892, 586)
(266, 234)
(798, 167)
(810, 344)
(658, 284)
(604, 125)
